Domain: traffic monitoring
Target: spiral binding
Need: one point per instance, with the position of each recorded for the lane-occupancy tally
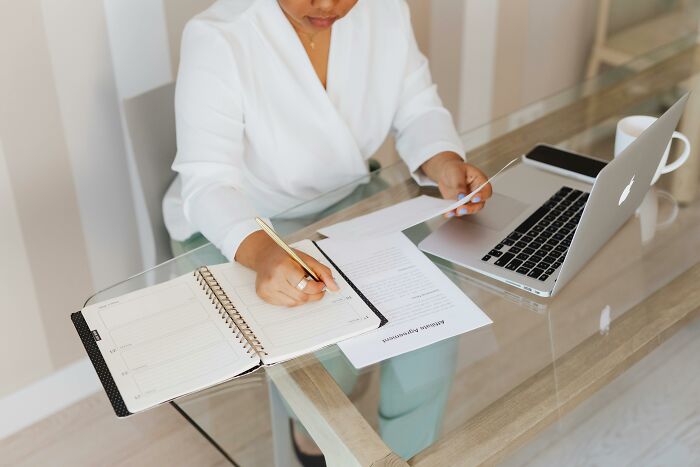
(228, 312)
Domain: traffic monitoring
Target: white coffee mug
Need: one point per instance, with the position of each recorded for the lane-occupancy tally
(629, 128)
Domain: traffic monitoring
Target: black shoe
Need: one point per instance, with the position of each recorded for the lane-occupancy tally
(306, 460)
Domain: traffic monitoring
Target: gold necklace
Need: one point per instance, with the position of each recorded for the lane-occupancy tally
(309, 37)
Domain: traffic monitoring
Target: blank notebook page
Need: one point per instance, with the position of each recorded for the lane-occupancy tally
(165, 341)
(289, 332)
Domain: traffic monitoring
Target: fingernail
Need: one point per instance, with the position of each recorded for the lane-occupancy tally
(450, 214)
(476, 199)
(461, 196)
(462, 211)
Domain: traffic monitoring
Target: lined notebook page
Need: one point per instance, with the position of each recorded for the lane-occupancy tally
(289, 332)
(165, 341)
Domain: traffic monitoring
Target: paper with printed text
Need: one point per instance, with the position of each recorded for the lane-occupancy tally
(423, 305)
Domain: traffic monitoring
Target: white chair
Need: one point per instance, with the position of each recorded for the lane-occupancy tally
(150, 121)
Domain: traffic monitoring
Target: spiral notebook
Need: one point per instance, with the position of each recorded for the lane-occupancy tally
(200, 329)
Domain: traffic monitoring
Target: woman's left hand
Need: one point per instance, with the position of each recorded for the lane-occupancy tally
(456, 179)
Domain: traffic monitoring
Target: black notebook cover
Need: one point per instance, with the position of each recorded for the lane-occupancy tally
(100, 365)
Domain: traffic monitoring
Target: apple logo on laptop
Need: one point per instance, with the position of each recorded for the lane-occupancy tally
(626, 191)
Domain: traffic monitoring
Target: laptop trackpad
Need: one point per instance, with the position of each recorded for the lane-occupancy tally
(499, 211)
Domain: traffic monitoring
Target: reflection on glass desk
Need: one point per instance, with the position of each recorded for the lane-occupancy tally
(604, 373)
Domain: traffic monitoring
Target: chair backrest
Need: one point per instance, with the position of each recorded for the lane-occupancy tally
(150, 121)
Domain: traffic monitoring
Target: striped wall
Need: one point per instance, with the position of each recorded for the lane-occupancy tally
(44, 197)
(69, 209)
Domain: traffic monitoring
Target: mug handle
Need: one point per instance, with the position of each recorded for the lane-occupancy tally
(682, 158)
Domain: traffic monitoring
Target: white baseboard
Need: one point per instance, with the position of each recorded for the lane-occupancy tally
(47, 396)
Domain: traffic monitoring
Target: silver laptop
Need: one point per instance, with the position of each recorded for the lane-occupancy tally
(539, 229)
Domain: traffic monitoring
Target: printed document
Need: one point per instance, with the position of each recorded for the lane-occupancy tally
(422, 305)
(400, 216)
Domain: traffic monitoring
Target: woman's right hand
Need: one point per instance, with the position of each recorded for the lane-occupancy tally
(278, 275)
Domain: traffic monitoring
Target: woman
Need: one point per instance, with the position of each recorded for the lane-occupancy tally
(279, 101)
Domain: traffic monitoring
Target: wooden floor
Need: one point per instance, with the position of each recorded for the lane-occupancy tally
(88, 434)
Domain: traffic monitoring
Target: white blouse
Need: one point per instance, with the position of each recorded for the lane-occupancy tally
(257, 134)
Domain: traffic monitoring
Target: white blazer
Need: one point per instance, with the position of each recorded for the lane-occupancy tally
(257, 134)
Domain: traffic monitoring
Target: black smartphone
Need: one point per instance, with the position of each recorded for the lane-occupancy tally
(565, 163)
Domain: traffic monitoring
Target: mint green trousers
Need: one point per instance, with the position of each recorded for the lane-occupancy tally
(414, 387)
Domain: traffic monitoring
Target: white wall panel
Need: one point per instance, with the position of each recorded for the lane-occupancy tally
(560, 35)
(41, 179)
(77, 38)
(445, 51)
(139, 42)
(477, 65)
(24, 350)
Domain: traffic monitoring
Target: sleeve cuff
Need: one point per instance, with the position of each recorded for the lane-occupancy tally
(414, 164)
(424, 137)
(234, 238)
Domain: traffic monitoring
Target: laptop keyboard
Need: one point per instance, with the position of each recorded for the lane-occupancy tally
(537, 247)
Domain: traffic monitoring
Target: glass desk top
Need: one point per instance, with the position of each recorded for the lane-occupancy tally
(606, 372)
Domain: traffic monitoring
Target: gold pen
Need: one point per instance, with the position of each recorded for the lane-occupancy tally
(276, 238)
